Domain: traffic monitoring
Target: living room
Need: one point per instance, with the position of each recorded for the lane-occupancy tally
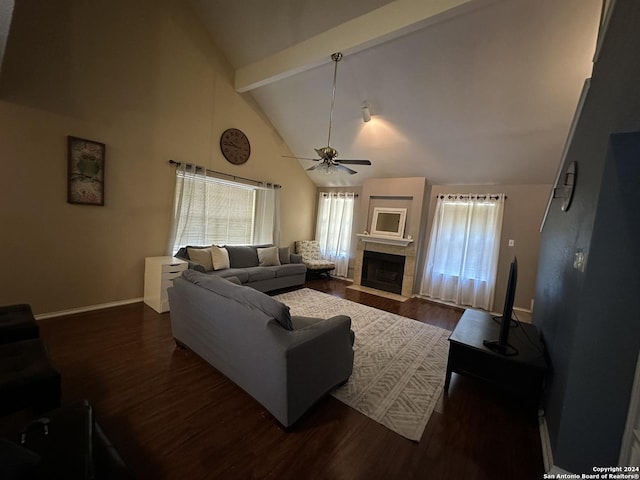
(146, 79)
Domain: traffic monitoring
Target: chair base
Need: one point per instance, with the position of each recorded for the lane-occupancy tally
(316, 273)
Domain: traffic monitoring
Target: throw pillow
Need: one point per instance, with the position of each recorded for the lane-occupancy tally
(242, 256)
(219, 257)
(285, 255)
(201, 256)
(268, 256)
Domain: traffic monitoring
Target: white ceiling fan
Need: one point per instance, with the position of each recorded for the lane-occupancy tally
(328, 161)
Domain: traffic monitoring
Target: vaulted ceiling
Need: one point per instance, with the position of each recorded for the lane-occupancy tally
(461, 91)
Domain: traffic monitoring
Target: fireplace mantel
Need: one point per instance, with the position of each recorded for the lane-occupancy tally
(385, 240)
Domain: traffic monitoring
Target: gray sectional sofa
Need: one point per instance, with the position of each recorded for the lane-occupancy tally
(245, 267)
(286, 363)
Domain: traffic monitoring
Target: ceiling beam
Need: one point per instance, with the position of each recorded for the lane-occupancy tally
(378, 26)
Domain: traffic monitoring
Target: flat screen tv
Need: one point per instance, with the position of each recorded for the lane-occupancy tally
(501, 345)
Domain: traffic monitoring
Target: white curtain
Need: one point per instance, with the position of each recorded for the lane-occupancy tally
(209, 210)
(333, 229)
(462, 258)
(267, 219)
(187, 207)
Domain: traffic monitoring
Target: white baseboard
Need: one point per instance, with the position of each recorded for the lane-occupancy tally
(547, 454)
(525, 310)
(522, 314)
(88, 308)
(545, 442)
(557, 471)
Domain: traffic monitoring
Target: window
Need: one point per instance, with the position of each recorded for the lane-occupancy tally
(462, 258)
(209, 210)
(333, 229)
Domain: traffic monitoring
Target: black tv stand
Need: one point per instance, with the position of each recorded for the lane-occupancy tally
(469, 355)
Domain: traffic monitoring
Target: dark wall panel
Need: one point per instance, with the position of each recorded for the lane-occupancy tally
(580, 312)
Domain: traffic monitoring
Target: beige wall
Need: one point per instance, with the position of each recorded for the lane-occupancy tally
(523, 213)
(143, 77)
(395, 193)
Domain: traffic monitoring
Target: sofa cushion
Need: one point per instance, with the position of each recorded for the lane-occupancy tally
(244, 295)
(289, 269)
(257, 274)
(220, 258)
(240, 273)
(285, 255)
(242, 256)
(300, 322)
(268, 256)
(201, 256)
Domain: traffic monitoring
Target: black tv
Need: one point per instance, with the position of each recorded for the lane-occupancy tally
(501, 345)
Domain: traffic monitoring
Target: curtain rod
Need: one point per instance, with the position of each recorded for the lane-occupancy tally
(466, 195)
(355, 195)
(177, 164)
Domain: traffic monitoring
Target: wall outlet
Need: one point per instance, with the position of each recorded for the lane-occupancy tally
(512, 243)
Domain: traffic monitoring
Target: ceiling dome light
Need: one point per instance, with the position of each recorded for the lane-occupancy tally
(366, 113)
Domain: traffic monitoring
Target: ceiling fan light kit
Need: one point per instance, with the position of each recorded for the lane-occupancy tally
(328, 161)
(326, 168)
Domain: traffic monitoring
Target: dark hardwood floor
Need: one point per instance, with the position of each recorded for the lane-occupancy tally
(172, 416)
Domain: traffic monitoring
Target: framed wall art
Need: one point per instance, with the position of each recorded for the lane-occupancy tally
(85, 177)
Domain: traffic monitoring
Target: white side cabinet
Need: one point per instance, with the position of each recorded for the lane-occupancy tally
(158, 274)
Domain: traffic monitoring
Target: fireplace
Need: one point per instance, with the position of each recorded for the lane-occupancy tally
(383, 271)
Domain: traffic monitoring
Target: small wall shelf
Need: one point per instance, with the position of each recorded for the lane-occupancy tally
(386, 240)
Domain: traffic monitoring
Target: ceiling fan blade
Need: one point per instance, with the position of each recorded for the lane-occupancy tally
(353, 162)
(345, 169)
(314, 167)
(301, 158)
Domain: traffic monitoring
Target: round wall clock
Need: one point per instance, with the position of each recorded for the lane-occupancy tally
(235, 146)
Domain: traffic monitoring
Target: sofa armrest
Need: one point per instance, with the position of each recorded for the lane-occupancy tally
(317, 358)
(320, 334)
(195, 266)
(182, 255)
(321, 351)
(295, 258)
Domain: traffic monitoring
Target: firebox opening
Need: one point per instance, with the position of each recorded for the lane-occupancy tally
(383, 271)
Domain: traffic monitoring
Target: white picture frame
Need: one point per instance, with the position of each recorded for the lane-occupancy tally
(388, 222)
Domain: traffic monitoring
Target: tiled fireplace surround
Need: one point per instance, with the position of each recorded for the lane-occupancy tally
(408, 252)
(399, 192)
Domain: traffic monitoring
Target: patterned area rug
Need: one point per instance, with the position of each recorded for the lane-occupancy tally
(399, 365)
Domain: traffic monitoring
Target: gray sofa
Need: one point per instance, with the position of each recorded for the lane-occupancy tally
(245, 267)
(286, 363)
